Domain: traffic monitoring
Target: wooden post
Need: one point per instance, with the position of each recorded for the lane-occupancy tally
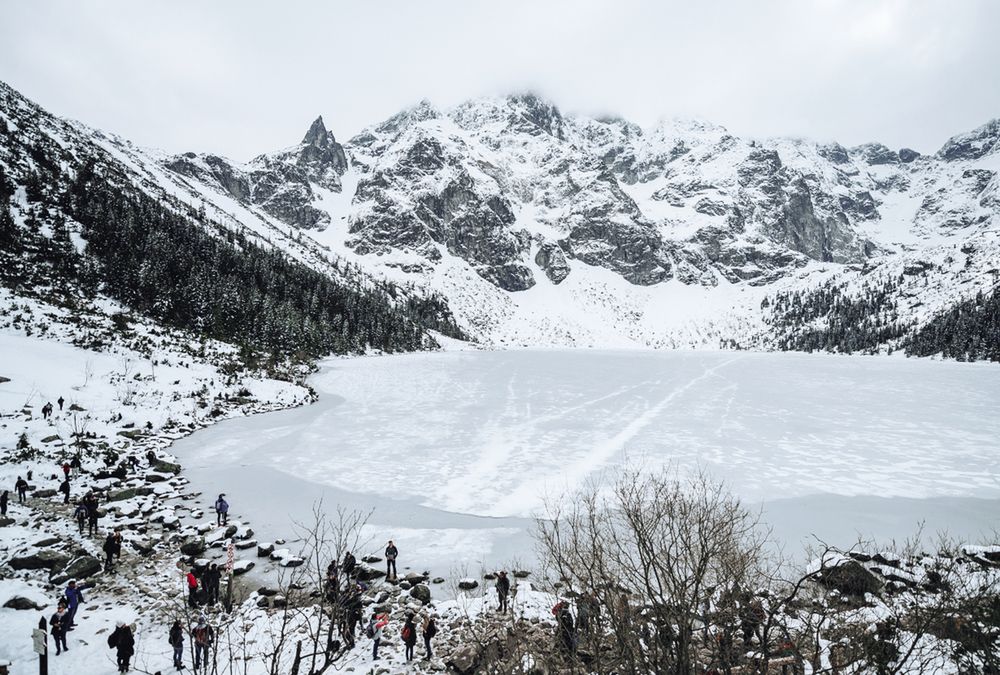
(43, 653)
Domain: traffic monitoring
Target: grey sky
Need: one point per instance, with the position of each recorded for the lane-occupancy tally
(239, 78)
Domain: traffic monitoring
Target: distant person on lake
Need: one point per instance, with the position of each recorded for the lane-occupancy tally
(221, 510)
(391, 552)
(503, 590)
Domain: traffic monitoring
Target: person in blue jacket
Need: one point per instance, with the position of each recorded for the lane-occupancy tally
(74, 596)
(222, 510)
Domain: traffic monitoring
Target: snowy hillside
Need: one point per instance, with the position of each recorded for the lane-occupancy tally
(547, 229)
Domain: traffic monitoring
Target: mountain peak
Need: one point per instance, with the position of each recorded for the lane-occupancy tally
(317, 134)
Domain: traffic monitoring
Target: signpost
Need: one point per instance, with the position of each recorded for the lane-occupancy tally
(41, 636)
(229, 576)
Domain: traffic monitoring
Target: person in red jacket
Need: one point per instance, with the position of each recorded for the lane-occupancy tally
(192, 582)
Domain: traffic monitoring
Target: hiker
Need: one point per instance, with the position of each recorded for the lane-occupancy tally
(211, 581)
(123, 641)
(176, 640)
(90, 501)
(221, 510)
(109, 553)
(332, 586)
(64, 488)
(75, 465)
(46, 411)
(429, 630)
(80, 513)
(66, 467)
(349, 564)
(566, 630)
(376, 625)
(58, 623)
(409, 636)
(192, 582)
(21, 486)
(74, 596)
(503, 589)
(60, 402)
(151, 457)
(133, 462)
(4, 498)
(202, 635)
(390, 560)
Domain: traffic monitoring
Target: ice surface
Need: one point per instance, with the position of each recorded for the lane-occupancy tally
(451, 441)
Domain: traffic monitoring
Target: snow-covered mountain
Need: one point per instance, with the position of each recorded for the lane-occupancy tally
(542, 228)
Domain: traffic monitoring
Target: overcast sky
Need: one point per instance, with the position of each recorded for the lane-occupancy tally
(240, 77)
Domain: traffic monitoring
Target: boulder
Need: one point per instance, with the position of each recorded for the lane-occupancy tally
(42, 494)
(850, 578)
(48, 541)
(51, 439)
(19, 602)
(366, 573)
(193, 546)
(463, 660)
(437, 580)
(264, 550)
(166, 467)
(4, 522)
(266, 592)
(80, 568)
(468, 584)
(521, 574)
(243, 545)
(120, 495)
(413, 578)
(155, 477)
(422, 593)
(371, 559)
(243, 566)
(47, 560)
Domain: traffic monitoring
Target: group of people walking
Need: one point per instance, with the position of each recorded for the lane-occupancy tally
(47, 408)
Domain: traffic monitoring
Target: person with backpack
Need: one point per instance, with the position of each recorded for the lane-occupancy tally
(74, 596)
(90, 501)
(64, 489)
(376, 625)
(61, 401)
(75, 465)
(176, 640)
(58, 624)
(503, 589)
(66, 468)
(429, 630)
(123, 642)
(192, 583)
(4, 498)
(21, 487)
(202, 635)
(409, 635)
(391, 552)
(109, 553)
(117, 538)
(80, 513)
(221, 510)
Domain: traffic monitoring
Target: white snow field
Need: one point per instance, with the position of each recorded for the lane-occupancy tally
(456, 451)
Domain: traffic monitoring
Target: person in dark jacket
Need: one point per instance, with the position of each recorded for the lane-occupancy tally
(221, 510)
(211, 580)
(349, 564)
(176, 640)
(75, 464)
(4, 498)
(74, 596)
(566, 630)
(21, 487)
(59, 623)
(64, 489)
(503, 589)
(109, 553)
(90, 501)
(409, 636)
(80, 513)
(60, 402)
(117, 538)
(429, 630)
(123, 641)
(391, 552)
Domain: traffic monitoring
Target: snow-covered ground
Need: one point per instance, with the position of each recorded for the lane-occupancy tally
(457, 451)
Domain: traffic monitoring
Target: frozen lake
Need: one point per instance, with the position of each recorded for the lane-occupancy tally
(456, 451)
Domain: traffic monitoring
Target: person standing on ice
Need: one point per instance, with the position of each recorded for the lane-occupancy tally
(60, 402)
(221, 510)
(503, 589)
(21, 486)
(391, 552)
(348, 566)
(4, 498)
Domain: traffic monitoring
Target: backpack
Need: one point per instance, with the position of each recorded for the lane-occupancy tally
(113, 639)
(407, 634)
(432, 629)
(370, 630)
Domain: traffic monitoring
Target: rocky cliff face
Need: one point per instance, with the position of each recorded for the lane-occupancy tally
(280, 183)
(522, 196)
